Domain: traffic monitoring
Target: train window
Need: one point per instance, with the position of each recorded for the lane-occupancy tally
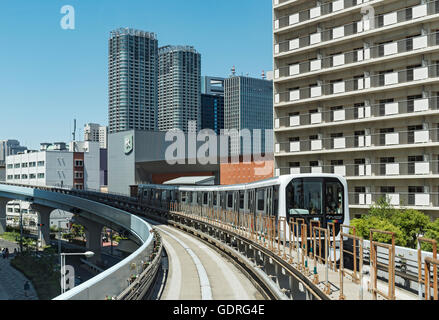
(183, 196)
(194, 197)
(248, 200)
(261, 200)
(163, 195)
(215, 195)
(241, 200)
(229, 200)
(305, 196)
(204, 197)
(334, 198)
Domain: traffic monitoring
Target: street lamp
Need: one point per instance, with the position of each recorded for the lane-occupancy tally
(87, 254)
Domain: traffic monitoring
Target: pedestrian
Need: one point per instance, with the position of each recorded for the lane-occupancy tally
(3, 252)
(7, 253)
(26, 288)
(15, 252)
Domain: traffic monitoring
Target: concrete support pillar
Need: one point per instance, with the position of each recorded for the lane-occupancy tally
(93, 232)
(3, 203)
(44, 219)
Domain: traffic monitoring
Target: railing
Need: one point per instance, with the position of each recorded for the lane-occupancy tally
(298, 245)
(418, 168)
(427, 276)
(379, 110)
(312, 13)
(365, 141)
(359, 55)
(357, 85)
(357, 241)
(402, 199)
(359, 27)
(139, 284)
(374, 265)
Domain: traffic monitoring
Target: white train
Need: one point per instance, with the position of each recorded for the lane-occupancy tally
(322, 197)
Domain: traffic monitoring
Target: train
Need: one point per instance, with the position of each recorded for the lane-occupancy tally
(311, 197)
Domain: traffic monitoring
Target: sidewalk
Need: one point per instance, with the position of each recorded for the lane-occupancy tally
(11, 280)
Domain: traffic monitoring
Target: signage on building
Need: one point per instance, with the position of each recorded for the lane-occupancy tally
(128, 144)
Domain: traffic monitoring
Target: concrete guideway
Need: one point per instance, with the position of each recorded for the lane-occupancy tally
(185, 281)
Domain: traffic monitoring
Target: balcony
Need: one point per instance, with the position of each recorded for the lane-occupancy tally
(400, 170)
(400, 199)
(357, 85)
(358, 112)
(358, 27)
(382, 52)
(316, 12)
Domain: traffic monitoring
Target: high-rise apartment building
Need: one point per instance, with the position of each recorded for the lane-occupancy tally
(133, 70)
(96, 132)
(179, 88)
(356, 88)
(248, 104)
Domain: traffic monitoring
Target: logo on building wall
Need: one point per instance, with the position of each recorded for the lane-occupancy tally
(128, 144)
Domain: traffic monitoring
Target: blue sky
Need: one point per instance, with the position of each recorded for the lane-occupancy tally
(49, 76)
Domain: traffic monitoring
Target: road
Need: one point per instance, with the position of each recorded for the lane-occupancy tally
(198, 272)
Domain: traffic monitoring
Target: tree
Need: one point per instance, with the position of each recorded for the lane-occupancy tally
(412, 223)
(364, 224)
(432, 232)
(78, 231)
(382, 209)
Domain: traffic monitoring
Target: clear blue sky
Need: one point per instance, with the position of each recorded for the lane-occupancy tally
(48, 75)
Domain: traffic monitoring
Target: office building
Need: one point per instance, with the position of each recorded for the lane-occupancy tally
(356, 95)
(212, 112)
(133, 70)
(212, 85)
(248, 104)
(76, 166)
(179, 86)
(9, 147)
(97, 133)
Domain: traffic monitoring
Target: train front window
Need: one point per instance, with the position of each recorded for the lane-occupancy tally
(315, 196)
(334, 198)
(304, 196)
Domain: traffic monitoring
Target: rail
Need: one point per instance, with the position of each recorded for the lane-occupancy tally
(139, 284)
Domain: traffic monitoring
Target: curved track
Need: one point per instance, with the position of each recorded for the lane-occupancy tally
(197, 272)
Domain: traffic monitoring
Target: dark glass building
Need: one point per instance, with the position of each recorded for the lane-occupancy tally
(212, 112)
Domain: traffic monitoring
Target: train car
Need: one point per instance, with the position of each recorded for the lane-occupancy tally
(312, 197)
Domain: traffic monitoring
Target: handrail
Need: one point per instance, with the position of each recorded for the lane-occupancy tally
(374, 264)
(427, 268)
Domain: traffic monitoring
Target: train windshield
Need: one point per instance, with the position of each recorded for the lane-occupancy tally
(315, 196)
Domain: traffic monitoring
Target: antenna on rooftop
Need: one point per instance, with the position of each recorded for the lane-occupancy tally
(233, 71)
(74, 130)
(263, 75)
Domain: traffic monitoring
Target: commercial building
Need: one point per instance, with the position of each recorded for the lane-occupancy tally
(133, 71)
(212, 103)
(96, 132)
(56, 165)
(355, 93)
(179, 88)
(136, 157)
(212, 85)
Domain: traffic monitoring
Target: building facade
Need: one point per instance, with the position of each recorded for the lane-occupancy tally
(133, 71)
(248, 104)
(56, 165)
(212, 112)
(96, 132)
(179, 88)
(355, 93)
